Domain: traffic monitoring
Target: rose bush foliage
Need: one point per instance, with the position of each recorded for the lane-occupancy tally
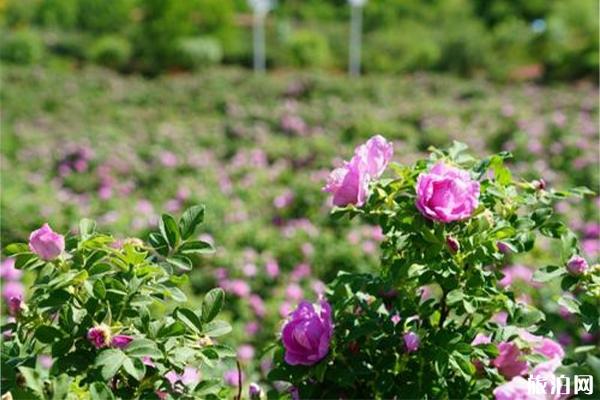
(99, 320)
(436, 322)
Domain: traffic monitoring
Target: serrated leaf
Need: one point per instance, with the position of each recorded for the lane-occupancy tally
(169, 230)
(216, 328)
(189, 318)
(212, 304)
(110, 361)
(135, 367)
(190, 220)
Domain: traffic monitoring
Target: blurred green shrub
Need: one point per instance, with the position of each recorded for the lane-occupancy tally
(22, 47)
(410, 47)
(58, 13)
(198, 52)
(101, 16)
(572, 39)
(110, 51)
(308, 49)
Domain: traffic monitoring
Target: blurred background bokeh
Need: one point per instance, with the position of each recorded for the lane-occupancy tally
(120, 110)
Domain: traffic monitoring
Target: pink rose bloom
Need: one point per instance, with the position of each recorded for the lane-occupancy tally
(189, 377)
(8, 270)
(294, 292)
(121, 341)
(348, 184)
(516, 389)
(12, 289)
(99, 336)
(272, 268)
(46, 243)
(544, 346)
(545, 372)
(500, 318)
(257, 304)
(45, 361)
(376, 154)
(446, 194)
(232, 378)
(307, 334)
(510, 362)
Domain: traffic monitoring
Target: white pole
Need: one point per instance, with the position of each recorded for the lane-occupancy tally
(355, 39)
(258, 38)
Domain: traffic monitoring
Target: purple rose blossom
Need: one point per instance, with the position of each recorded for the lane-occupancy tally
(446, 194)
(411, 342)
(503, 247)
(307, 334)
(99, 336)
(517, 388)
(46, 243)
(121, 341)
(510, 362)
(8, 270)
(272, 268)
(577, 265)
(349, 183)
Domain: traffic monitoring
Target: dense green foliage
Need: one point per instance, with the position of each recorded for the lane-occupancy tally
(503, 39)
(124, 287)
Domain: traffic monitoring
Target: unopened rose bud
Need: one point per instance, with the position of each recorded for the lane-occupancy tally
(539, 184)
(503, 247)
(411, 342)
(14, 306)
(452, 244)
(254, 391)
(577, 265)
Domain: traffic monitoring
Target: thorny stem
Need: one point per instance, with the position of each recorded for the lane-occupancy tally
(239, 370)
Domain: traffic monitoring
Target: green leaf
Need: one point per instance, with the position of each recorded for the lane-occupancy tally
(212, 304)
(189, 318)
(143, 348)
(190, 219)
(216, 328)
(175, 329)
(32, 379)
(16, 248)
(98, 269)
(183, 263)
(570, 303)
(527, 316)
(548, 273)
(100, 391)
(87, 227)
(196, 247)
(99, 289)
(168, 229)
(135, 367)
(454, 296)
(47, 334)
(110, 361)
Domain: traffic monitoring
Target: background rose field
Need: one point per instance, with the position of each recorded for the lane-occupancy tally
(86, 133)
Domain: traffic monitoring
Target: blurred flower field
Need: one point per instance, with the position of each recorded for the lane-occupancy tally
(257, 151)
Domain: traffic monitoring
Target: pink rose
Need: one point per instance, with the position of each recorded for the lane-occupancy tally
(348, 184)
(510, 362)
(376, 154)
(121, 341)
(577, 265)
(516, 389)
(46, 243)
(446, 194)
(99, 336)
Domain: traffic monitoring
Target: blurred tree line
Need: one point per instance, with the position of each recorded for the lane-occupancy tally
(501, 39)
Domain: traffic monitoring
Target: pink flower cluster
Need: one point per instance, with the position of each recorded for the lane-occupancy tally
(349, 184)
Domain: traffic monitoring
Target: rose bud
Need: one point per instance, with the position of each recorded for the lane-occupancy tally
(452, 244)
(46, 243)
(254, 391)
(121, 341)
(577, 265)
(411, 342)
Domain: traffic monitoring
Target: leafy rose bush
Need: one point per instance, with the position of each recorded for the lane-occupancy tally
(99, 321)
(435, 323)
